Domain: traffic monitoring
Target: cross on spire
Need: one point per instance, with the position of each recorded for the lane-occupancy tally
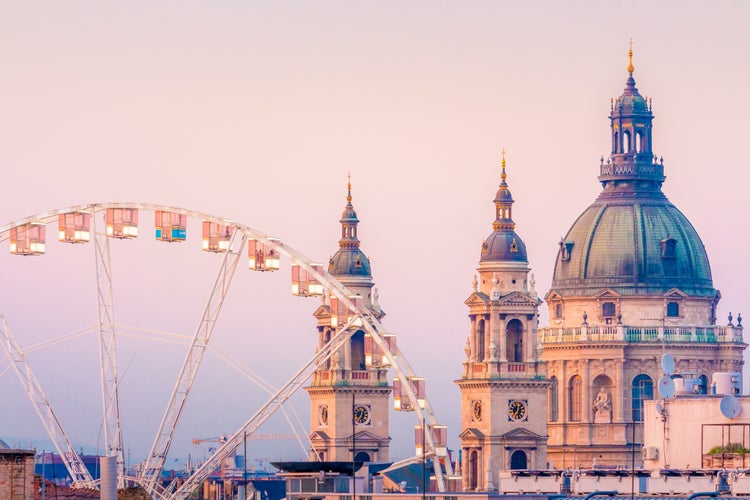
(630, 57)
(503, 175)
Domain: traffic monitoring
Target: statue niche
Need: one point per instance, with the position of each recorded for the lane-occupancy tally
(602, 407)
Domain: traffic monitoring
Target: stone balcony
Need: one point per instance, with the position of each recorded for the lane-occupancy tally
(350, 377)
(729, 334)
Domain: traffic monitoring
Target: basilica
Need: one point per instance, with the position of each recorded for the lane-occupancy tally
(631, 281)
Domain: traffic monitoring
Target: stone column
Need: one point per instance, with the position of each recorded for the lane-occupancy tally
(618, 396)
(498, 332)
(473, 337)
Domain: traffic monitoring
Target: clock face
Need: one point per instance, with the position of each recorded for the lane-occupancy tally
(362, 414)
(476, 411)
(518, 410)
(323, 414)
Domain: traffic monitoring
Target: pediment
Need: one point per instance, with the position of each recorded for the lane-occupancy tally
(319, 436)
(477, 298)
(365, 436)
(518, 298)
(522, 435)
(675, 293)
(323, 311)
(607, 293)
(470, 433)
(553, 295)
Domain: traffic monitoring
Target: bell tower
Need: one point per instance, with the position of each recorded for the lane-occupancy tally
(349, 393)
(503, 384)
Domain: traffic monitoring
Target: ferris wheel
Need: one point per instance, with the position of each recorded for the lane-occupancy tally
(97, 224)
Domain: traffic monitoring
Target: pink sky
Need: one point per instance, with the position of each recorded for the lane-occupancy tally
(256, 111)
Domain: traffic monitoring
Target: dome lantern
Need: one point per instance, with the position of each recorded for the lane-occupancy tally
(632, 164)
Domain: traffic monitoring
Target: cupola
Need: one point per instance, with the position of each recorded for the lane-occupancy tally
(503, 244)
(349, 260)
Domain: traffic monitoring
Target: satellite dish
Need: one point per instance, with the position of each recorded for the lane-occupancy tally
(667, 364)
(660, 409)
(730, 406)
(666, 387)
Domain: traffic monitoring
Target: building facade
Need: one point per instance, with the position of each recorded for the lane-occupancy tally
(349, 393)
(503, 384)
(632, 281)
(16, 473)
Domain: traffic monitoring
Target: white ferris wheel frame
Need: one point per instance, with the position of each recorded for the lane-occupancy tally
(163, 439)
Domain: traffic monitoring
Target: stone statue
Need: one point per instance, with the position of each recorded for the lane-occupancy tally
(532, 286)
(602, 407)
(474, 283)
(493, 351)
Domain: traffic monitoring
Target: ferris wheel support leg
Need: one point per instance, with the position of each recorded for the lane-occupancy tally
(78, 472)
(155, 460)
(108, 353)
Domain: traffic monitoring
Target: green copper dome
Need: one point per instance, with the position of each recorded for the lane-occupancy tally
(635, 247)
(632, 239)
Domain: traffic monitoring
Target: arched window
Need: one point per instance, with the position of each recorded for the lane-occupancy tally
(702, 384)
(480, 340)
(553, 399)
(326, 339)
(638, 142)
(575, 398)
(473, 470)
(358, 350)
(643, 389)
(673, 309)
(362, 456)
(518, 460)
(514, 341)
(608, 309)
(626, 142)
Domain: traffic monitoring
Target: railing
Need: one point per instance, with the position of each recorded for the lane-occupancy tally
(729, 334)
(650, 169)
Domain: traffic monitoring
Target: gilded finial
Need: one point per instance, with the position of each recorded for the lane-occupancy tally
(503, 175)
(630, 58)
(349, 187)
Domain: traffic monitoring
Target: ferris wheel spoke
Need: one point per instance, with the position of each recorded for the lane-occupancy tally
(73, 463)
(268, 409)
(156, 458)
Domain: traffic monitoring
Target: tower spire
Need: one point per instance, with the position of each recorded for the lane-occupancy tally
(503, 175)
(349, 220)
(631, 68)
(503, 201)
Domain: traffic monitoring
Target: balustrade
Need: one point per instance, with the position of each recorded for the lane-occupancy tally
(624, 333)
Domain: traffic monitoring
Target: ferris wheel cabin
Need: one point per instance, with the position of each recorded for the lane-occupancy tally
(28, 239)
(170, 226)
(122, 223)
(74, 227)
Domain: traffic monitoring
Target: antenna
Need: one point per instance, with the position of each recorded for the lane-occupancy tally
(730, 407)
(666, 387)
(667, 364)
(660, 409)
